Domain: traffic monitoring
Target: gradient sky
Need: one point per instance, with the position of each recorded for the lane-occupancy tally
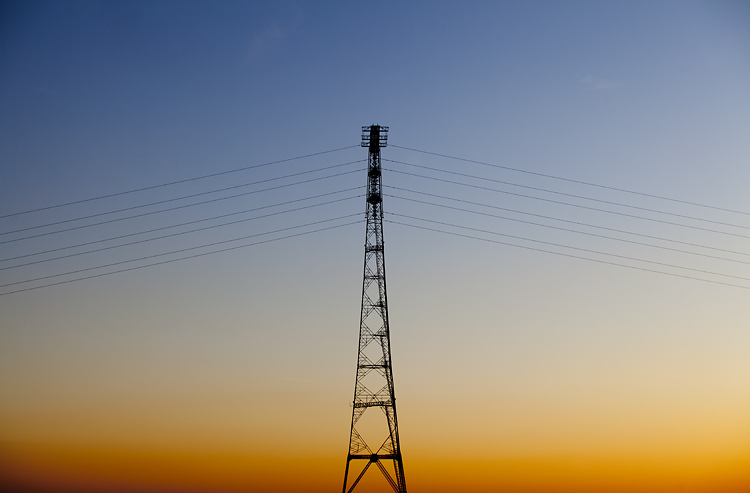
(515, 370)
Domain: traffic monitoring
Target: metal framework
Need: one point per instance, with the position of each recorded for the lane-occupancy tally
(374, 384)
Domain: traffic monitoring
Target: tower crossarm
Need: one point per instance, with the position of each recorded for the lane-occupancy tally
(372, 403)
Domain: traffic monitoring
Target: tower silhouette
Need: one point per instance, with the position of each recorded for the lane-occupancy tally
(374, 438)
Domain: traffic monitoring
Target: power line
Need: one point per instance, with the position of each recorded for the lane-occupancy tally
(583, 197)
(571, 222)
(221, 216)
(567, 255)
(181, 258)
(180, 207)
(590, 184)
(569, 230)
(183, 197)
(112, 264)
(572, 247)
(176, 234)
(568, 204)
(186, 180)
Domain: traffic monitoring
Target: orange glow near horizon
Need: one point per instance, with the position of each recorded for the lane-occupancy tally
(61, 468)
(221, 440)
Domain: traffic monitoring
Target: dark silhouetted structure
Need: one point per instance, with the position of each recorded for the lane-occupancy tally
(374, 385)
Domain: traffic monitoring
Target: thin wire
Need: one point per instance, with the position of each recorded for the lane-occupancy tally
(573, 248)
(570, 195)
(568, 255)
(590, 184)
(112, 264)
(177, 234)
(183, 197)
(221, 216)
(186, 180)
(569, 204)
(569, 230)
(180, 207)
(569, 221)
(181, 258)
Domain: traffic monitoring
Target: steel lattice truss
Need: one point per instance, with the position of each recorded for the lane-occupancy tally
(374, 385)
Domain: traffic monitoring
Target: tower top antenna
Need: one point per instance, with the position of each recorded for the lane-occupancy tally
(374, 137)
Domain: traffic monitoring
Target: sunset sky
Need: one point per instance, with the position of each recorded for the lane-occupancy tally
(569, 300)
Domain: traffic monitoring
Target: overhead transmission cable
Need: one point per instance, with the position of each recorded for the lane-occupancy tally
(525, 247)
(579, 223)
(162, 262)
(183, 197)
(409, 225)
(569, 230)
(582, 197)
(213, 226)
(176, 182)
(570, 180)
(182, 250)
(478, 187)
(180, 207)
(625, 257)
(162, 228)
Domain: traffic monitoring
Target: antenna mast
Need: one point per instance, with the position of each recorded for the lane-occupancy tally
(374, 383)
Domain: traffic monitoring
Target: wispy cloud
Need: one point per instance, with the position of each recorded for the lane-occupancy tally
(46, 91)
(598, 83)
(263, 41)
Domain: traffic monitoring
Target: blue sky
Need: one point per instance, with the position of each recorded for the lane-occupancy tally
(548, 85)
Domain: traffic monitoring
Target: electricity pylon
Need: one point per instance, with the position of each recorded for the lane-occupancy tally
(374, 384)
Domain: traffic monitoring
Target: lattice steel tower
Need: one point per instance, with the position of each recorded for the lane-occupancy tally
(374, 385)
